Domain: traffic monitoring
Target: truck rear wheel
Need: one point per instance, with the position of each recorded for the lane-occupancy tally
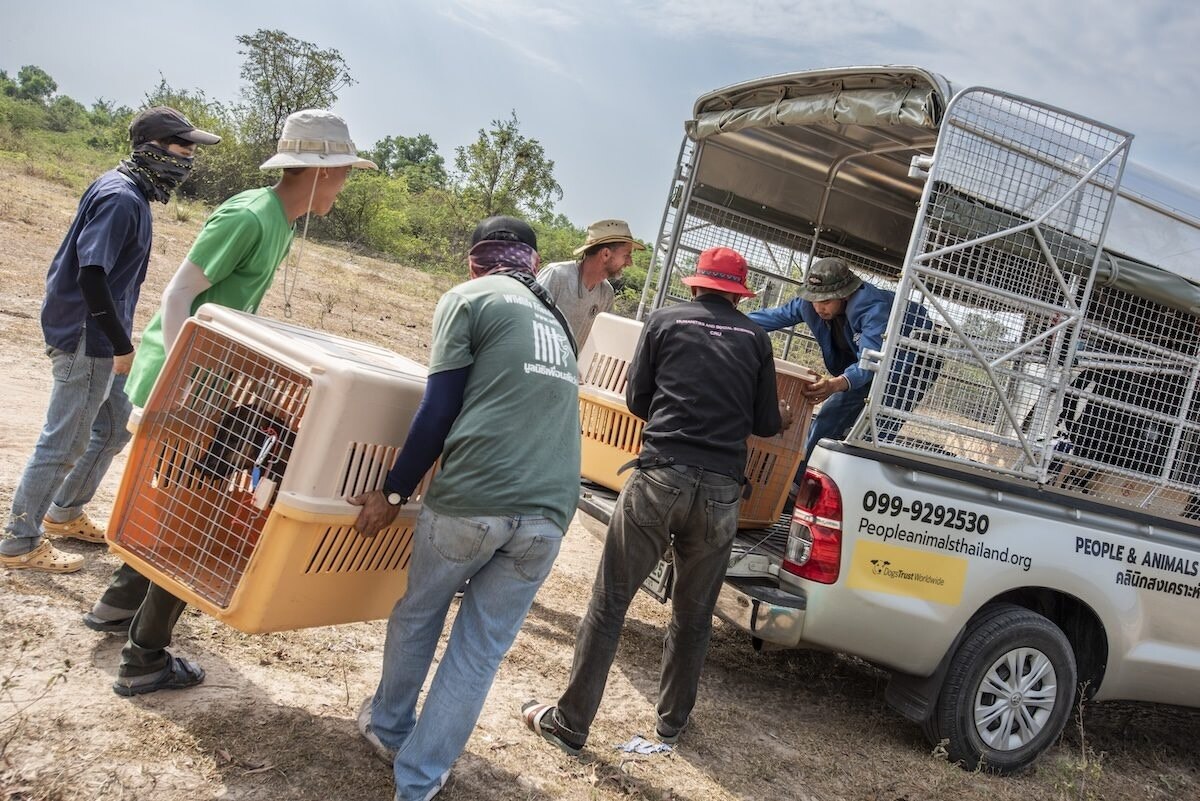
(1008, 692)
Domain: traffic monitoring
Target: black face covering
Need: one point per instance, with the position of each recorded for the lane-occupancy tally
(156, 171)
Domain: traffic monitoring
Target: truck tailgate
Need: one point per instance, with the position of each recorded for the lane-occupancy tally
(750, 598)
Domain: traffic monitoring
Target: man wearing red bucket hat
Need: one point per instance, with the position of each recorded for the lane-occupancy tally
(703, 377)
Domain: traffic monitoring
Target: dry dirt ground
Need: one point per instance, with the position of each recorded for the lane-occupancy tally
(274, 720)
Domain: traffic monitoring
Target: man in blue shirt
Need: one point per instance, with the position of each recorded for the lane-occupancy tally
(847, 317)
(92, 288)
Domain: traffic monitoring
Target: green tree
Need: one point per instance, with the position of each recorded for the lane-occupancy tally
(505, 172)
(364, 197)
(8, 87)
(557, 238)
(282, 74)
(33, 83)
(416, 158)
(221, 170)
(66, 114)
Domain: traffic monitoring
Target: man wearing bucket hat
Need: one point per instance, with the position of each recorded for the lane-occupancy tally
(582, 289)
(703, 377)
(847, 316)
(92, 289)
(232, 263)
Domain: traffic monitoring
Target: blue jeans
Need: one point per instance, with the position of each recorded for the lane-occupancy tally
(834, 419)
(84, 430)
(694, 512)
(506, 559)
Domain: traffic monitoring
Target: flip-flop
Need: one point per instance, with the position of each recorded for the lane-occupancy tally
(534, 715)
(177, 675)
(119, 626)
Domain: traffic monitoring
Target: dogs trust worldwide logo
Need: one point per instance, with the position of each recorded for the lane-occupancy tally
(893, 570)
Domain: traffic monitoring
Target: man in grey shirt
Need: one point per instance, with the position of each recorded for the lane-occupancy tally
(581, 288)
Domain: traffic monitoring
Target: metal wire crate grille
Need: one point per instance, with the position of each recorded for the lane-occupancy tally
(1029, 369)
(1005, 256)
(777, 258)
(218, 437)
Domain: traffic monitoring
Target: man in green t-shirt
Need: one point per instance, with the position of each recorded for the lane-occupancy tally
(501, 409)
(231, 263)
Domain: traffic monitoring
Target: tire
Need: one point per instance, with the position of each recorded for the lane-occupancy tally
(1017, 668)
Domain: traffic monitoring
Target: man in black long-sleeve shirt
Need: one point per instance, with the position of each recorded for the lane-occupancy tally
(703, 377)
(92, 288)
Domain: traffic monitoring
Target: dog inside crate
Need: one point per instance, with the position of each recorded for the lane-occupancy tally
(248, 438)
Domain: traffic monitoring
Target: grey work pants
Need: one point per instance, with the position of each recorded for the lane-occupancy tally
(155, 612)
(700, 509)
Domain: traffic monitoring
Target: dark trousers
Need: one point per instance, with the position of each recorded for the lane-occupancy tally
(150, 631)
(701, 509)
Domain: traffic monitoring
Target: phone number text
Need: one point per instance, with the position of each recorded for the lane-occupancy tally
(885, 503)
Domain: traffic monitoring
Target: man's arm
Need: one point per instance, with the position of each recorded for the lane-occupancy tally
(102, 311)
(868, 321)
(440, 406)
(788, 314)
(183, 289)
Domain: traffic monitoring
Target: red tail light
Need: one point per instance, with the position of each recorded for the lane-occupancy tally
(814, 549)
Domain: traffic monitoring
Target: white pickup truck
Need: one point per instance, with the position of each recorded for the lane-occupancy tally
(1033, 532)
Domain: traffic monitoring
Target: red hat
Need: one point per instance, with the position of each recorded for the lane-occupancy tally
(722, 269)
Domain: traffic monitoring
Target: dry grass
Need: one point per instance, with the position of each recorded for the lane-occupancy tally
(274, 719)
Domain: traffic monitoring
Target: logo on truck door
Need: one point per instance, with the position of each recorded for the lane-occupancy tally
(886, 568)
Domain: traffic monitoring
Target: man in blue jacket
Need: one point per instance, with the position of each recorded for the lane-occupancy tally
(847, 317)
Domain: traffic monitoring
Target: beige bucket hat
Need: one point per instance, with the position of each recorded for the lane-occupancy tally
(315, 138)
(605, 231)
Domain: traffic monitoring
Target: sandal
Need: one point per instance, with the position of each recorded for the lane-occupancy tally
(119, 626)
(668, 736)
(539, 718)
(79, 528)
(179, 674)
(46, 558)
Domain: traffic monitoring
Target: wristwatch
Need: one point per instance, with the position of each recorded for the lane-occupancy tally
(396, 499)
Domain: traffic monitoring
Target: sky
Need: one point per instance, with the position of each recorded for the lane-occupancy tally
(606, 85)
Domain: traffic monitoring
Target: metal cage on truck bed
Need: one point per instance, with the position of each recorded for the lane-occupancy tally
(1064, 302)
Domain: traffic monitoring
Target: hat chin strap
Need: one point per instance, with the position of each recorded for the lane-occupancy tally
(290, 275)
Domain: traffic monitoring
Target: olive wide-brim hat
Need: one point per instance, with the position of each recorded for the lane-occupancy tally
(314, 137)
(607, 232)
(829, 278)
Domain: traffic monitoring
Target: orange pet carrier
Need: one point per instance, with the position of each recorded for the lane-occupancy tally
(233, 498)
(612, 435)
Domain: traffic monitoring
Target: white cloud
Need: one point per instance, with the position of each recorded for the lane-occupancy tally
(1129, 64)
(797, 24)
(507, 22)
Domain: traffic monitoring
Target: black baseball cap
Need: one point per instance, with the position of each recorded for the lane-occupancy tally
(505, 229)
(163, 122)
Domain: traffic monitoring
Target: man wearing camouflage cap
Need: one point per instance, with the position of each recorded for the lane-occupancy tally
(847, 317)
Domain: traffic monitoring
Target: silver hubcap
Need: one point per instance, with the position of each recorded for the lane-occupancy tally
(1015, 699)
